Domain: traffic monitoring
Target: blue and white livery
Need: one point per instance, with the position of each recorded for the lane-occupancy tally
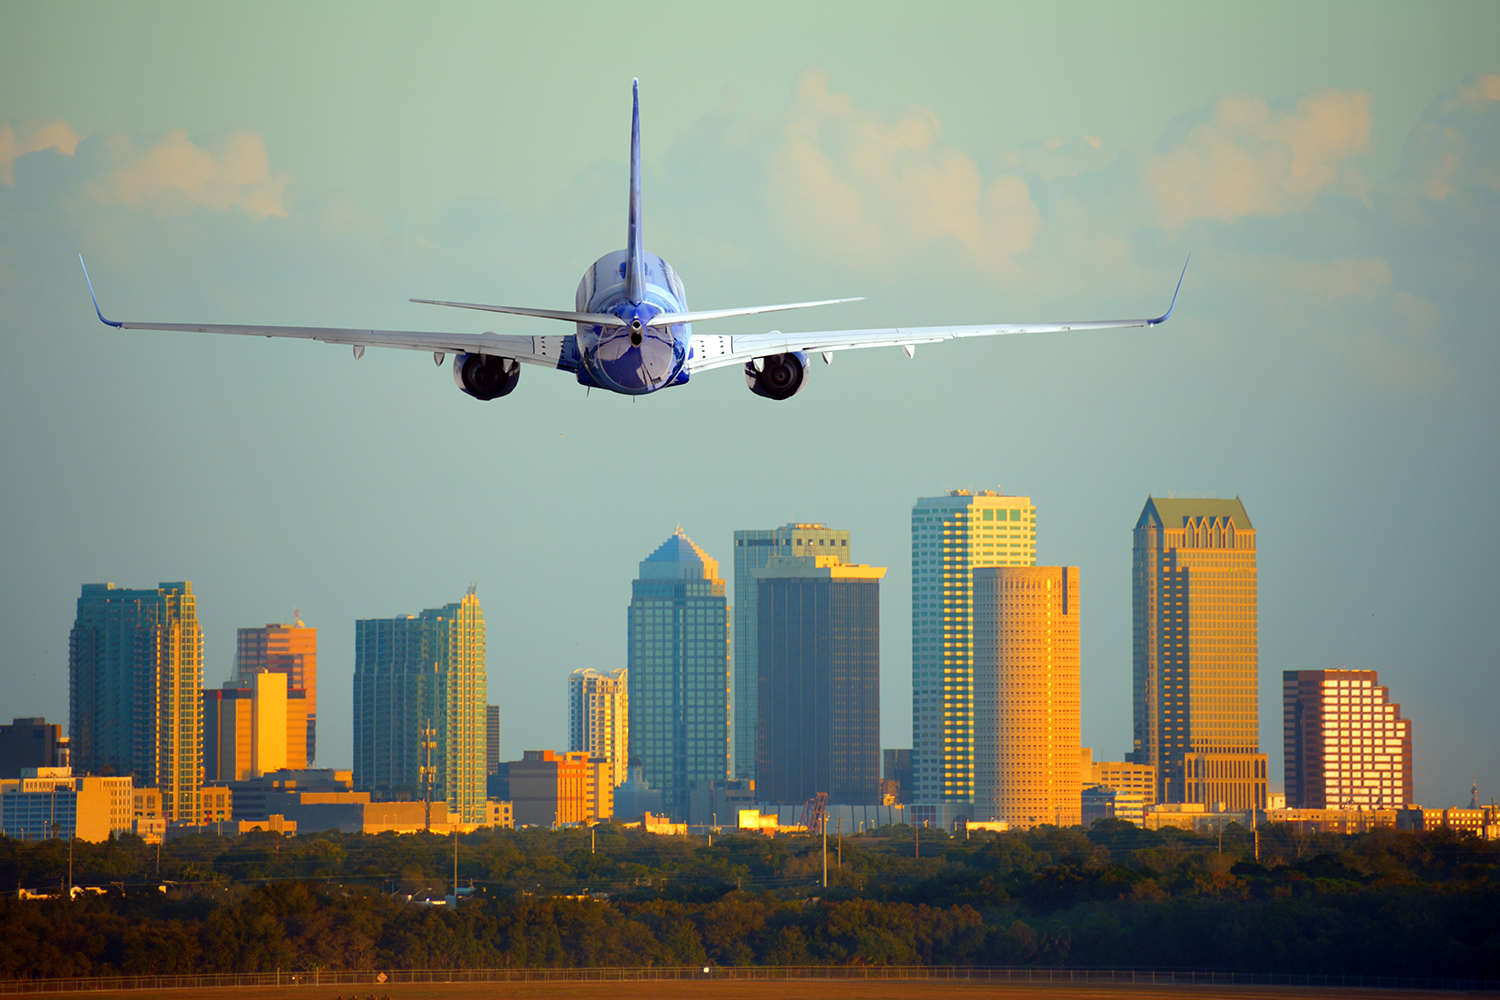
(633, 330)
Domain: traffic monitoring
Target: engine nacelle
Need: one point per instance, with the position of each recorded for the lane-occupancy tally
(781, 376)
(485, 376)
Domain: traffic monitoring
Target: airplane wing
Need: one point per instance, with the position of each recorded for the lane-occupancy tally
(711, 352)
(548, 352)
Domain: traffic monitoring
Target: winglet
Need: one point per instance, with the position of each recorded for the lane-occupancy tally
(635, 259)
(1163, 317)
(106, 322)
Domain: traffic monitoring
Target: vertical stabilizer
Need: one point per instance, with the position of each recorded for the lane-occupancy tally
(635, 253)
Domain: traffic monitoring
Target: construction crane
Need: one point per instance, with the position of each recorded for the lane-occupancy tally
(815, 812)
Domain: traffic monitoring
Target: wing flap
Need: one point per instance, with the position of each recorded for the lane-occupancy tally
(548, 352)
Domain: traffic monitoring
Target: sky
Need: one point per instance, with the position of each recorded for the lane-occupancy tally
(1334, 171)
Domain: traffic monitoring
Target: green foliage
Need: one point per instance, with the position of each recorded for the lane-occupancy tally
(1381, 903)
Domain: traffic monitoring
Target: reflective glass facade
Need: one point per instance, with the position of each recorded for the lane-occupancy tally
(1196, 652)
(819, 639)
(413, 672)
(753, 549)
(678, 638)
(135, 677)
(950, 536)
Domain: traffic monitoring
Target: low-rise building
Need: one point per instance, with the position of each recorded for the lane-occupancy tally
(1104, 802)
(499, 814)
(1334, 820)
(49, 802)
(557, 789)
(1122, 776)
(1482, 822)
(715, 802)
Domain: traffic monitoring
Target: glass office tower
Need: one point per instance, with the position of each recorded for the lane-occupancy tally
(678, 635)
(135, 677)
(819, 640)
(950, 536)
(411, 673)
(753, 549)
(1197, 718)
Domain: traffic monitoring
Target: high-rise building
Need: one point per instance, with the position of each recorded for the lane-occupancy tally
(1026, 695)
(951, 536)
(599, 717)
(491, 739)
(1346, 744)
(135, 673)
(819, 680)
(897, 780)
(284, 649)
(249, 730)
(752, 550)
(1197, 718)
(411, 674)
(31, 743)
(678, 630)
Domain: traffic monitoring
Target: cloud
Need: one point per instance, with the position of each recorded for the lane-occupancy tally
(1456, 146)
(174, 176)
(33, 137)
(1250, 159)
(861, 186)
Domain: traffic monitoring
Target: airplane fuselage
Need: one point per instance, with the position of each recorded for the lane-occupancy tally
(638, 357)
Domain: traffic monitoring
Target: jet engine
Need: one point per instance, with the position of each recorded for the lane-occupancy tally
(777, 376)
(485, 376)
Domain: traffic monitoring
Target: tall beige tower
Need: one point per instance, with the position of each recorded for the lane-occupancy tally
(1197, 718)
(1026, 695)
(599, 717)
(951, 536)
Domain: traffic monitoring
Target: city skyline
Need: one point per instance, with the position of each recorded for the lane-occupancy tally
(1207, 523)
(1328, 357)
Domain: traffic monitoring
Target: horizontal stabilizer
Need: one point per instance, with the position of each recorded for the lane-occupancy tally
(597, 319)
(672, 319)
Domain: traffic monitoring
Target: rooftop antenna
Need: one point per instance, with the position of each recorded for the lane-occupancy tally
(297, 617)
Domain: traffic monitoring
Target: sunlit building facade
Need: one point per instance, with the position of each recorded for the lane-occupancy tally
(678, 640)
(599, 717)
(1346, 744)
(416, 672)
(135, 673)
(1026, 695)
(753, 549)
(951, 536)
(291, 650)
(1196, 655)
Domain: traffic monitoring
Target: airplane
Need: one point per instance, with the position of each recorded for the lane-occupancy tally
(633, 331)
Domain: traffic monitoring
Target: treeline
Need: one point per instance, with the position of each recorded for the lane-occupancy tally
(1383, 903)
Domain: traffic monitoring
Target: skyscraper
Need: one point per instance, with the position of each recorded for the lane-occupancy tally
(284, 649)
(678, 629)
(752, 550)
(819, 673)
(1346, 744)
(1195, 650)
(599, 717)
(1026, 695)
(491, 739)
(135, 670)
(412, 673)
(951, 535)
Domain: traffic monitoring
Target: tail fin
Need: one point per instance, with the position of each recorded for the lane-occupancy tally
(635, 253)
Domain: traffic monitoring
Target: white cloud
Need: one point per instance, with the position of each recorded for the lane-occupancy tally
(857, 185)
(174, 176)
(32, 137)
(1248, 159)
